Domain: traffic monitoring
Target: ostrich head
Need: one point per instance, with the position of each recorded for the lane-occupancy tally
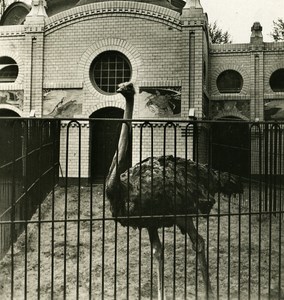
(230, 184)
(126, 89)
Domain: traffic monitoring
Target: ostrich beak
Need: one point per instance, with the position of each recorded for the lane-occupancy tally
(125, 87)
(119, 90)
(121, 87)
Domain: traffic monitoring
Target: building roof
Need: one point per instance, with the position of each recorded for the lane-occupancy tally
(16, 12)
(174, 5)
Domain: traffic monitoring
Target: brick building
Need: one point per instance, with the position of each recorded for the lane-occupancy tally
(64, 58)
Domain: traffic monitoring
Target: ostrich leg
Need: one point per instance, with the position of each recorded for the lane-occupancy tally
(156, 247)
(198, 245)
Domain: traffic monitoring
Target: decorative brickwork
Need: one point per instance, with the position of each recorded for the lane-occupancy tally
(229, 66)
(110, 44)
(7, 51)
(114, 8)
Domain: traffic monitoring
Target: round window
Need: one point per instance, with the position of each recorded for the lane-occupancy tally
(108, 70)
(229, 81)
(277, 81)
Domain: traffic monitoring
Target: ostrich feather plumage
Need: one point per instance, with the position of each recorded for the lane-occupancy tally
(168, 186)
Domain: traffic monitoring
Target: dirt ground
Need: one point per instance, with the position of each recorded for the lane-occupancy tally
(246, 254)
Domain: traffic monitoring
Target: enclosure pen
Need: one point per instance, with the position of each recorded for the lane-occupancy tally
(62, 238)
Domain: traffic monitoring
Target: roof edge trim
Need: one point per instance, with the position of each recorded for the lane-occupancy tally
(138, 9)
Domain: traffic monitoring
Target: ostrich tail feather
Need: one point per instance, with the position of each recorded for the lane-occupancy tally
(230, 184)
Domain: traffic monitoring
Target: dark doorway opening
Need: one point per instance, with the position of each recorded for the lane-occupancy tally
(8, 113)
(10, 136)
(231, 146)
(104, 135)
(11, 152)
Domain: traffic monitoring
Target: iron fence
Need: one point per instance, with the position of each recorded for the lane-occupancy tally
(29, 158)
(75, 247)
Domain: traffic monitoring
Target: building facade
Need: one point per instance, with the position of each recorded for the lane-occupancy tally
(63, 58)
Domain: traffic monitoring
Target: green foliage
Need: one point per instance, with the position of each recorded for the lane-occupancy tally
(218, 36)
(278, 30)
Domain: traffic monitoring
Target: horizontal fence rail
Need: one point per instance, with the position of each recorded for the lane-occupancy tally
(176, 209)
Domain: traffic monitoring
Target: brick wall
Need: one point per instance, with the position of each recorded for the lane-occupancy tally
(164, 49)
(255, 64)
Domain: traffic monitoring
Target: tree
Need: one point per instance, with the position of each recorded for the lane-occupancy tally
(218, 36)
(278, 30)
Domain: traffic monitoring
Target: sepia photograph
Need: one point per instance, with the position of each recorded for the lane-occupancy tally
(141, 149)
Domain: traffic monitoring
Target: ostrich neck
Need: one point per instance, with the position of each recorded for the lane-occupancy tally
(118, 164)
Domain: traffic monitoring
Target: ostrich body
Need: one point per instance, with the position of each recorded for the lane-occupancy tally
(163, 186)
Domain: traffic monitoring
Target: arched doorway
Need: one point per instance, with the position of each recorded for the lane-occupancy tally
(8, 113)
(104, 135)
(231, 146)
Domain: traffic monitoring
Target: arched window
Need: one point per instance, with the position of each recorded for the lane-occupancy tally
(108, 70)
(8, 69)
(229, 81)
(277, 81)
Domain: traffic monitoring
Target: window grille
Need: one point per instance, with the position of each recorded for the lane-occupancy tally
(109, 69)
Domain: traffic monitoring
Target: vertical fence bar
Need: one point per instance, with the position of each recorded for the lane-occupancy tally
(187, 133)
(25, 158)
(280, 215)
(12, 205)
(250, 229)
(91, 124)
(66, 210)
(139, 208)
(271, 180)
(54, 169)
(129, 137)
(208, 135)
(79, 211)
(40, 126)
(196, 159)
(173, 214)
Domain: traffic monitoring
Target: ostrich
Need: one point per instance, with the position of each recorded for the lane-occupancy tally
(161, 186)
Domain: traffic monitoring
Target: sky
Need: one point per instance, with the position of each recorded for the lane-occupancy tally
(238, 16)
